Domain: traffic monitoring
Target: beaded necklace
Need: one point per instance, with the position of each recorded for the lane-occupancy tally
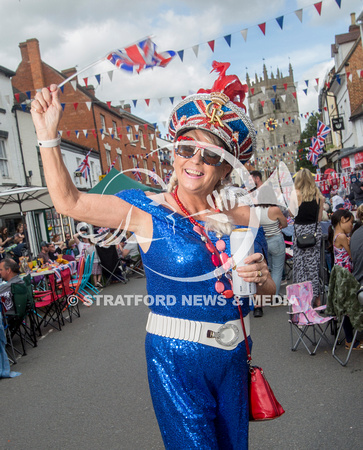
(219, 257)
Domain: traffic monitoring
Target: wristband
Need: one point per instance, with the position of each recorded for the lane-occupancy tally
(51, 143)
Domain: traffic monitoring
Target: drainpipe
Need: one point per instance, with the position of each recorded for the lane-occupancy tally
(21, 147)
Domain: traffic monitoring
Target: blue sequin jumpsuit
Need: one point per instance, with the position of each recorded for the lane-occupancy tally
(199, 392)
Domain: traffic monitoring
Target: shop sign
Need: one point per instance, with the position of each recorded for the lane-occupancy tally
(358, 158)
(344, 162)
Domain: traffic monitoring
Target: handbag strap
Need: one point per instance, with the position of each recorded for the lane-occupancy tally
(249, 357)
(317, 216)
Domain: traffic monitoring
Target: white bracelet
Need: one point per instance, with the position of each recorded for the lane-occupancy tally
(51, 143)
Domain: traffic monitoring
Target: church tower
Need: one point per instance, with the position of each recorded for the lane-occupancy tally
(273, 108)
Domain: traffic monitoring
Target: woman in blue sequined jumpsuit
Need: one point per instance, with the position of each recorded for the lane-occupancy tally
(199, 390)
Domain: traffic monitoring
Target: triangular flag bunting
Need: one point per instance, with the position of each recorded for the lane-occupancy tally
(85, 132)
(17, 96)
(109, 104)
(134, 102)
(294, 94)
(339, 2)
(74, 84)
(89, 104)
(280, 21)
(244, 34)
(63, 105)
(252, 90)
(318, 7)
(85, 81)
(262, 27)
(211, 45)
(98, 78)
(147, 101)
(299, 14)
(110, 74)
(195, 50)
(28, 93)
(305, 91)
(75, 105)
(228, 39)
(171, 99)
(181, 54)
(62, 89)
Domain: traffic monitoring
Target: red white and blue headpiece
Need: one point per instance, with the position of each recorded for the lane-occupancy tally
(219, 111)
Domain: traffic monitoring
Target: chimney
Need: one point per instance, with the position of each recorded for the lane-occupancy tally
(68, 72)
(127, 108)
(352, 18)
(91, 89)
(30, 54)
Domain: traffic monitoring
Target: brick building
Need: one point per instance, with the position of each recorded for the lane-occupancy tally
(116, 134)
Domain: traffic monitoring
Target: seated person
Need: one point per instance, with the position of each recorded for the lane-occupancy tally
(16, 250)
(53, 254)
(72, 249)
(9, 272)
(44, 252)
(130, 250)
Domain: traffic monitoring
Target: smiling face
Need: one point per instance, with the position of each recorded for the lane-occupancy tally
(193, 174)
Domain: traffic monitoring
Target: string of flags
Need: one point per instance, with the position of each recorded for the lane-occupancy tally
(332, 180)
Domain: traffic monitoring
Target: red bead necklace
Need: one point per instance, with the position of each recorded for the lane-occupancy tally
(218, 259)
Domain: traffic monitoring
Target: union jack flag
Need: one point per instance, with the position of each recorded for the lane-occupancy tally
(168, 176)
(317, 177)
(347, 205)
(323, 131)
(312, 157)
(140, 56)
(136, 173)
(344, 182)
(153, 178)
(112, 165)
(84, 167)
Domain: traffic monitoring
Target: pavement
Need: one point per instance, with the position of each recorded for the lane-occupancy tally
(85, 387)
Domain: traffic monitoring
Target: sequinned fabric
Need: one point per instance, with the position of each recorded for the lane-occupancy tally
(199, 392)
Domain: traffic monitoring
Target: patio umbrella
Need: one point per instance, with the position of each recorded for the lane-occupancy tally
(24, 199)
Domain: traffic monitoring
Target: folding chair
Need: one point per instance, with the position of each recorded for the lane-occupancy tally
(48, 303)
(343, 302)
(134, 265)
(14, 319)
(304, 317)
(110, 263)
(67, 293)
(30, 313)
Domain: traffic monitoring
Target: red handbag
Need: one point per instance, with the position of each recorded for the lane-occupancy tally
(262, 401)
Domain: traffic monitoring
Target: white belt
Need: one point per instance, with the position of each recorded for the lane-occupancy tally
(224, 336)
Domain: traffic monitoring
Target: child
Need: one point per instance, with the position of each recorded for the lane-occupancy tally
(342, 224)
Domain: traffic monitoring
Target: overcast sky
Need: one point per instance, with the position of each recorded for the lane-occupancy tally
(77, 33)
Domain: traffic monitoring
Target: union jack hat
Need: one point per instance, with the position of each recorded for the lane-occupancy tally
(219, 111)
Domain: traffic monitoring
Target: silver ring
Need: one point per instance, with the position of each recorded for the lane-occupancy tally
(261, 259)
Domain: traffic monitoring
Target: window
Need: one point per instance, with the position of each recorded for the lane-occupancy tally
(93, 173)
(119, 159)
(130, 134)
(103, 123)
(260, 109)
(108, 157)
(114, 128)
(77, 176)
(151, 141)
(3, 160)
(277, 104)
(141, 138)
(146, 175)
(134, 162)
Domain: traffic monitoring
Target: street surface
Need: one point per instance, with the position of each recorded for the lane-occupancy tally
(86, 387)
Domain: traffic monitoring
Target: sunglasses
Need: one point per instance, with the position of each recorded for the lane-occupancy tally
(187, 147)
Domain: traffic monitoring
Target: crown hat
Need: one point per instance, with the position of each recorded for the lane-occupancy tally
(219, 111)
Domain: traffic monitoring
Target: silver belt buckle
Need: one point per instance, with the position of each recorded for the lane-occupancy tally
(227, 334)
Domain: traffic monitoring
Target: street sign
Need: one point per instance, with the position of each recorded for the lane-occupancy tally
(338, 124)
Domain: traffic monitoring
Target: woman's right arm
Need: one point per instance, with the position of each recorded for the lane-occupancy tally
(102, 210)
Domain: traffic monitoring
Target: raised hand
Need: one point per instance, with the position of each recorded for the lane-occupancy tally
(46, 112)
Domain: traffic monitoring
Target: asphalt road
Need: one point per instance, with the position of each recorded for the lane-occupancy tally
(86, 387)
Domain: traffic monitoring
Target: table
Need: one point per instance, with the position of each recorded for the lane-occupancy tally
(56, 270)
